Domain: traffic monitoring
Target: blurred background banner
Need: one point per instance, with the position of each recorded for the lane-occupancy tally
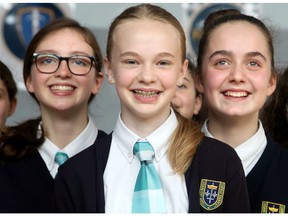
(19, 22)
(196, 13)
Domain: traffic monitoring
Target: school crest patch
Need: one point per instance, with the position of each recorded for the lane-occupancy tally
(211, 194)
(270, 207)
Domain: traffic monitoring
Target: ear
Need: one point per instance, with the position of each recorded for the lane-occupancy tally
(29, 85)
(183, 72)
(13, 105)
(272, 84)
(197, 104)
(199, 84)
(98, 83)
(108, 71)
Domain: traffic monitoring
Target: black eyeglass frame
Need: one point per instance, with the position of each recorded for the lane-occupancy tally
(92, 59)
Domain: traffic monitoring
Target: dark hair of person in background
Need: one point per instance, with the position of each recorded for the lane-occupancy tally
(275, 111)
(8, 91)
(24, 139)
(7, 77)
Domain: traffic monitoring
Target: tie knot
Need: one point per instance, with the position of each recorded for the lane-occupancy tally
(143, 150)
(61, 157)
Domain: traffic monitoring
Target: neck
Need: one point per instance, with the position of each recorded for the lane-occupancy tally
(143, 127)
(61, 130)
(233, 131)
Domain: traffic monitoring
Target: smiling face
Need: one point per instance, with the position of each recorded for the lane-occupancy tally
(62, 91)
(145, 66)
(236, 71)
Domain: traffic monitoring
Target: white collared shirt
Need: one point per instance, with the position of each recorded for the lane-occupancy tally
(122, 169)
(48, 149)
(251, 150)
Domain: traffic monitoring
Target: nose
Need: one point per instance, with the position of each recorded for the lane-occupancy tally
(147, 74)
(237, 74)
(63, 70)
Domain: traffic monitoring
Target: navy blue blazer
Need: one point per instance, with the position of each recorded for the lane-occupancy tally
(79, 184)
(268, 181)
(26, 185)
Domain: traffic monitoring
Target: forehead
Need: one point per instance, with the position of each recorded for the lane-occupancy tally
(136, 30)
(64, 37)
(239, 37)
(142, 24)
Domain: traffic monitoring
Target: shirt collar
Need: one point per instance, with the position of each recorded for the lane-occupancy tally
(159, 139)
(249, 151)
(86, 138)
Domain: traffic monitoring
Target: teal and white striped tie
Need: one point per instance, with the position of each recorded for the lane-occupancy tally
(148, 193)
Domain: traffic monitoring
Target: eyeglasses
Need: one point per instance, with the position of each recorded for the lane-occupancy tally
(49, 63)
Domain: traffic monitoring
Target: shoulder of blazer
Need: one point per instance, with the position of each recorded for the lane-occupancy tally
(102, 148)
(215, 145)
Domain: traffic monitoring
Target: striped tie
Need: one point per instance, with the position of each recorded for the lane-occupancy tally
(61, 157)
(148, 193)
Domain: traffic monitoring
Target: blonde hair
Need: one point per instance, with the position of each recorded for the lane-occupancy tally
(184, 144)
(187, 136)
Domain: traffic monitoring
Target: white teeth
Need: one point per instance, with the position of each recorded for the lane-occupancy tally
(146, 94)
(62, 88)
(235, 94)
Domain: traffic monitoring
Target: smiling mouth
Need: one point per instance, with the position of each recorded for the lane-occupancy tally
(62, 88)
(235, 94)
(146, 93)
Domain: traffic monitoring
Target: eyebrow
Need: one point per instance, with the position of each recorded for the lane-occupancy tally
(163, 54)
(129, 54)
(55, 52)
(229, 53)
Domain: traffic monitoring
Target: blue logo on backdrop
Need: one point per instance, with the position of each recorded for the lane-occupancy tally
(197, 22)
(23, 21)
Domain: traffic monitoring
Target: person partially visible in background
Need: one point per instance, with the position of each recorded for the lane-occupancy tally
(187, 100)
(275, 112)
(8, 91)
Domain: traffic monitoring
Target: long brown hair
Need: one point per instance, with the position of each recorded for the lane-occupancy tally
(187, 136)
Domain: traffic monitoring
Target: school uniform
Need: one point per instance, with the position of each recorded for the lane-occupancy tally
(26, 185)
(84, 183)
(267, 182)
(265, 164)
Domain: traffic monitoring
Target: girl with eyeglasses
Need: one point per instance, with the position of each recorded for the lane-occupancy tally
(62, 71)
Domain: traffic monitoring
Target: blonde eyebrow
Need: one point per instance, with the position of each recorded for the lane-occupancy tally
(163, 54)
